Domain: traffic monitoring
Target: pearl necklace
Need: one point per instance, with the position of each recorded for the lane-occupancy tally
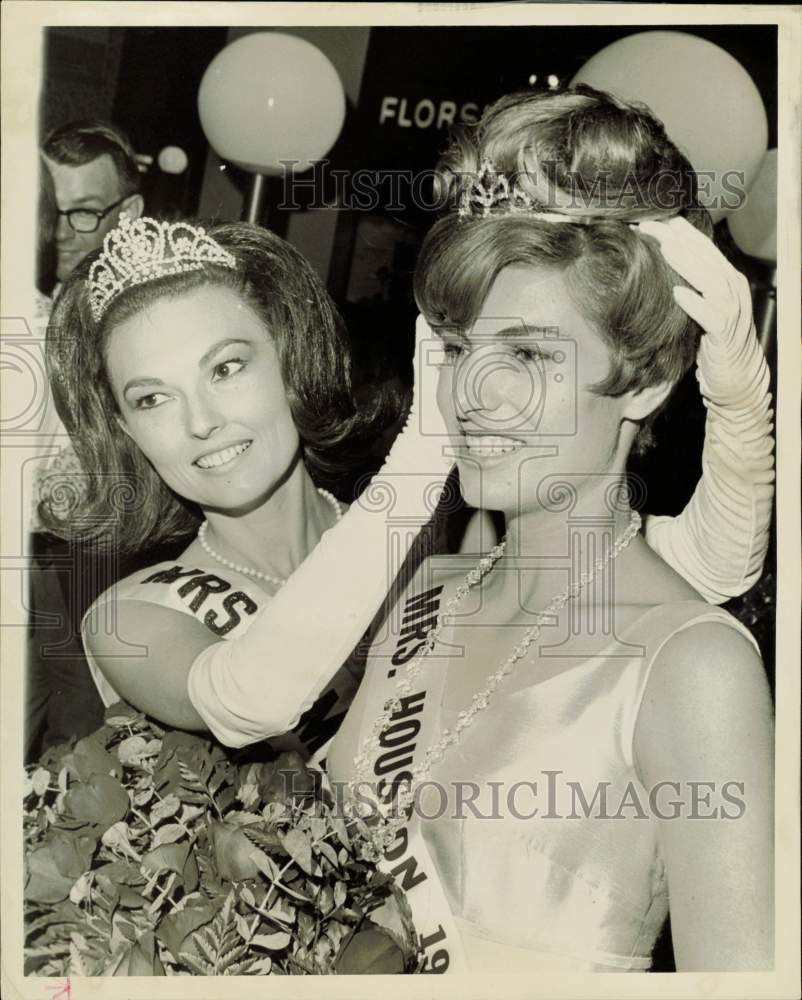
(257, 574)
(391, 819)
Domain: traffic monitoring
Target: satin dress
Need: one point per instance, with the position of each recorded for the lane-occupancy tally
(580, 885)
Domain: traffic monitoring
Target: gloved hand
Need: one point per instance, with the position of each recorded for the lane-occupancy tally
(719, 542)
(259, 685)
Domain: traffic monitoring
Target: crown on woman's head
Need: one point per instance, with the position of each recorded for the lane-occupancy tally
(143, 249)
(490, 192)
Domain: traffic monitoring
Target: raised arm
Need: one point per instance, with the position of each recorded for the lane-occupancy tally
(719, 541)
(260, 684)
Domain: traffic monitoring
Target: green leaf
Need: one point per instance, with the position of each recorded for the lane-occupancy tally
(143, 796)
(273, 942)
(287, 777)
(168, 834)
(283, 911)
(101, 799)
(247, 895)
(225, 798)
(72, 852)
(323, 952)
(122, 873)
(265, 837)
(371, 951)
(299, 848)
(90, 756)
(243, 818)
(231, 851)
(78, 967)
(122, 714)
(196, 965)
(217, 945)
(175, 928)
(340, 893)
(276, 813)
(40, 781)
(338, 825)
(167, 773)
(318, 828)
(243, 927)
(328, 852)
(167, 807)
(45, 883)
(124, 933)
(288, 890)
(307, 925)
(131, 899)
(130, 751)
(166, 857)
(140, 959)
(190, 875)
(325, 899)
(264, 863)
(395, 917)
(118, 838)
(336, 932)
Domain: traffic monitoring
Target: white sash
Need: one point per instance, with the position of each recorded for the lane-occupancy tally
(412, 730)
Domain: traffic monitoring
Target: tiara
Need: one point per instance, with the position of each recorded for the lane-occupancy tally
(490, 190)
(143, 249)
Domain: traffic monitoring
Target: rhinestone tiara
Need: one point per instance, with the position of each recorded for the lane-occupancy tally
(139, 250)
(491, 190)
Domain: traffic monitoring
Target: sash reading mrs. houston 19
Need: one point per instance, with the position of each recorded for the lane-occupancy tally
(412, 729)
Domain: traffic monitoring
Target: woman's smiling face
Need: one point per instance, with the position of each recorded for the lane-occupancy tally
(198, 383)
(514, 392)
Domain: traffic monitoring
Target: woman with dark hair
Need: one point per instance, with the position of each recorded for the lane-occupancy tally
(205, 381)
(568, 742)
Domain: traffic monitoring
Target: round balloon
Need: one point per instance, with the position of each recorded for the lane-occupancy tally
(709, 105)
(271, 102)
(754, 225)
(173, 160)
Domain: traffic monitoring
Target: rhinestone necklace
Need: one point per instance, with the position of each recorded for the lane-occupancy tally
(384, 832)
(257, 574)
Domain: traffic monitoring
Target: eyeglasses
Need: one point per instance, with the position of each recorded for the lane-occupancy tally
(87, 220)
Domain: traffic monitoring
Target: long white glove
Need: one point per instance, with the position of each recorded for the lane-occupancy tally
(259, 685)
(719, 541)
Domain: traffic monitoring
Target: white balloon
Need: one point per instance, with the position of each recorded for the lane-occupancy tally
(754, 225)
(173, 160)
(270, 97)
(709, 105)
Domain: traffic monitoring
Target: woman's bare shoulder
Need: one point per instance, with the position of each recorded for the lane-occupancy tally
(706, 691)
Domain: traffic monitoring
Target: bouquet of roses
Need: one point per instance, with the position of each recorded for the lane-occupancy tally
(157, 852)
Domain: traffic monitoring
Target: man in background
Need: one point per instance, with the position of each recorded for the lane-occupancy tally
(96, 175)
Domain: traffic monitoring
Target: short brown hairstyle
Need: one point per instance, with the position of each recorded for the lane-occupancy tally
(80, 142)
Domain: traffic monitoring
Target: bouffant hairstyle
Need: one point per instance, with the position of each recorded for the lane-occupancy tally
(606, 164)
(120, 492)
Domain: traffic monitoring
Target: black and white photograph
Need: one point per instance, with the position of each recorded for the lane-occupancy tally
(400, 499)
